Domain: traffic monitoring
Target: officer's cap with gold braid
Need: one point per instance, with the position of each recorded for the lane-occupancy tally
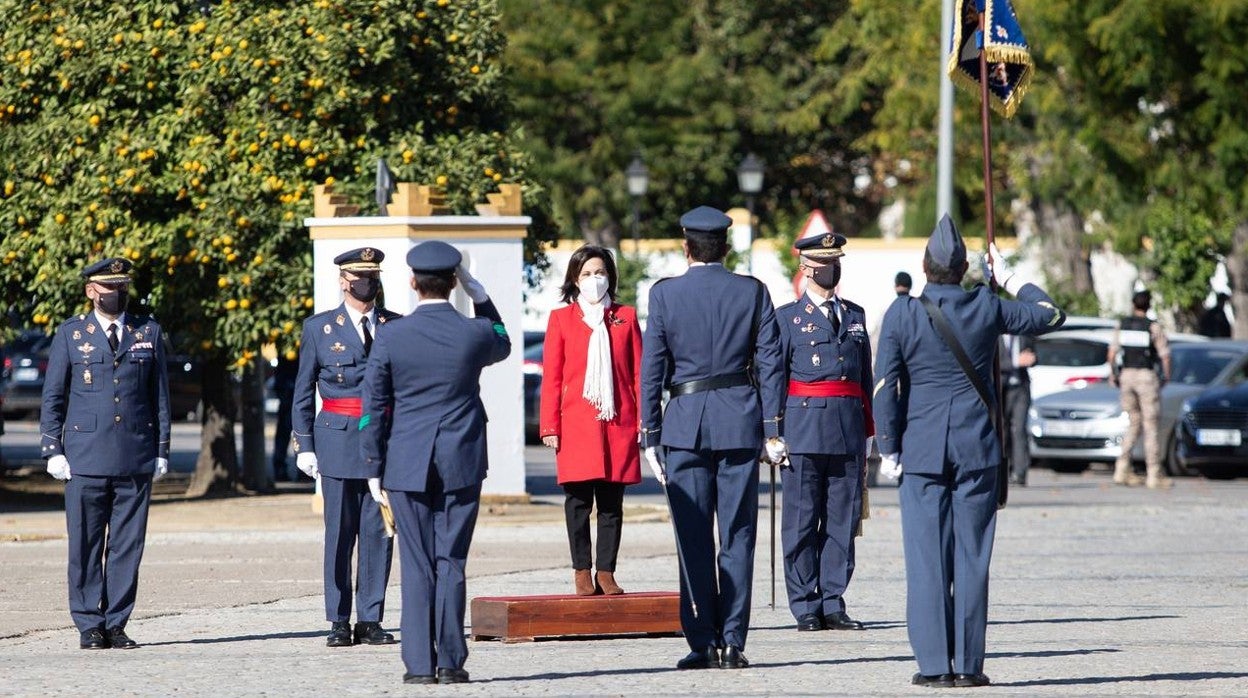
(113, 270)
(360, 259)
(821, 248)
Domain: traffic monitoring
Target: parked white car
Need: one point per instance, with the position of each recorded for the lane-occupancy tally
(1073, 359)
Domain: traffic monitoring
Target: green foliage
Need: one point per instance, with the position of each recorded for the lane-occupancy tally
(1185, 248)
(693, 87)
(190, 143)
(631, 271)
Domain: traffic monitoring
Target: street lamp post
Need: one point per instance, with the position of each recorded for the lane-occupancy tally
(638, 180)
(750, 180)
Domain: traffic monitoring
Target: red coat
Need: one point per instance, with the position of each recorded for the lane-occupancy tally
(590, 449)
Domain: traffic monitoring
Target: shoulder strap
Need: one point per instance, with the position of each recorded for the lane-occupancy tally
(946, 332)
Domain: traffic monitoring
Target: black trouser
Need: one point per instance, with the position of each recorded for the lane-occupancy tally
(579, 502)
(1017, 402)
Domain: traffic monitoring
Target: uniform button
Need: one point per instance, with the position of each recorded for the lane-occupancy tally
(115, 381)
(116, 418)
(840, 358)
(844, 378)
(812, 342)
(116, 364)
(803, 403)
(116, 399)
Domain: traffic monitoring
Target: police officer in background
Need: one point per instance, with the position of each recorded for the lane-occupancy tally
(941, 443)
(712, 343)
(1139, 358)
(423, 439)
(332, 354)
(105, 430)
(827, 355)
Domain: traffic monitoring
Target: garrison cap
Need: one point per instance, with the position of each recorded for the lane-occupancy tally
(945, 246)
(433, 257)
(705, 219)
(361, 259)
(111, 270)
(821, 248)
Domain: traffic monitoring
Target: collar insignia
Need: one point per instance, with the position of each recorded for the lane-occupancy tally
(90, 328)
(327, 329)
(77, 335)
(340, 319)
(809, 308)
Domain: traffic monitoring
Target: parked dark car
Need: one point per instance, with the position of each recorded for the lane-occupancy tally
(532, 386)
(26, 365)
(1212, 429)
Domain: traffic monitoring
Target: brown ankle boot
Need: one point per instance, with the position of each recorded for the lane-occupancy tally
(584, 583)
(606, 583)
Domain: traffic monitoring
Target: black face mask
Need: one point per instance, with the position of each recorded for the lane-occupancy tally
(827, 276)
(365, 289)
(113, 302)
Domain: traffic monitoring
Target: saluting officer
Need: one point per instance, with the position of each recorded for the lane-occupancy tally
(827, 421)
(710, 336)
(332, 355)
(105, 430)
(938, 437)
(423, 434)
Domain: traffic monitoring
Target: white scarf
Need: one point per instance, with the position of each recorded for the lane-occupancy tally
(598, 389)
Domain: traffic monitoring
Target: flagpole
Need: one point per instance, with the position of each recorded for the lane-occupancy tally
(944, 147)
(985, 126)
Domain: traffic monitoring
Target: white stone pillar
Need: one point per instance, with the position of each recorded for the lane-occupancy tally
(493, 249)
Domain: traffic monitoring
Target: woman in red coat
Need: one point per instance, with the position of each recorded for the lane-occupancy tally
(591, 367)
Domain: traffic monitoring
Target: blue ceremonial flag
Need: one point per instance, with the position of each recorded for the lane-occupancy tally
(1009, 58)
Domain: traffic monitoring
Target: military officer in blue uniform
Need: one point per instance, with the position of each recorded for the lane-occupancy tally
(711, 342)
(105, 431)
(423, 435)
(941, 442)
(332, 355)
(827, 420)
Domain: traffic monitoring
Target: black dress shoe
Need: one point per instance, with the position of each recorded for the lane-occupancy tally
(938, 681)
(706, 659)
(339, 634)
(841, 621)
(810, 622)
(970, 680)
(93, 639)
(419, 678)
(733, 658)
(369, 632)
(446, 675)
(119, 640)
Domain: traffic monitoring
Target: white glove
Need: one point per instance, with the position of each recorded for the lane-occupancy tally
(1001, 272)
(869, 447)
(162, 469)
(656, 467)
(58, 467)
(374, 489)
(472, 287)
(307, 463)
(777, 450)
(890, 466)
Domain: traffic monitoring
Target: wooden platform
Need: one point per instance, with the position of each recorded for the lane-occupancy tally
(529, 618)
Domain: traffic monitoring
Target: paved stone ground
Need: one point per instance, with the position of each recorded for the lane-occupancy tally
(1096, 590)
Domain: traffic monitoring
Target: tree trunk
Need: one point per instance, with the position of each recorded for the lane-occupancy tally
(216, 470)
(255, 471)
(607, 236)
(1068, 262)
(1237, 271)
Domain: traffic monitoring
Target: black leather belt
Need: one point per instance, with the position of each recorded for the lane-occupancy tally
(730, 380)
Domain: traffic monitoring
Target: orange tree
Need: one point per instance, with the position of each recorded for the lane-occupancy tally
(188, 137)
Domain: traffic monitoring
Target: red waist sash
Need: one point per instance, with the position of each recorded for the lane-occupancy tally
(836, 389)
(350, 406)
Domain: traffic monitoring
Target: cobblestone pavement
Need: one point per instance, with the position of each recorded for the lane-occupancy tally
(1095, 590)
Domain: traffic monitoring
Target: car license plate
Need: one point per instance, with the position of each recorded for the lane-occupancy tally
(1058, 428)
(26, 375)
(1218, 437)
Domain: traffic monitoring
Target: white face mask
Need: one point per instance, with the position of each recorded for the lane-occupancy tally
(593, 288)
